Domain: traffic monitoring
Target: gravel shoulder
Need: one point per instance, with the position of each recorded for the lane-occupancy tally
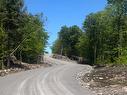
(22, 67)
(109, 80)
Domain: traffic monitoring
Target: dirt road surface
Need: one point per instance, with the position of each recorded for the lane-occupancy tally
(60, 79)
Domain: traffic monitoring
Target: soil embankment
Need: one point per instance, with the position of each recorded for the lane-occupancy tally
(109, 80)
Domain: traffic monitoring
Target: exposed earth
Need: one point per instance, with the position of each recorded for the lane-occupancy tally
(109, 80)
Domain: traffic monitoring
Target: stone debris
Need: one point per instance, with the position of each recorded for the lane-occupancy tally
(61, 57)
(125, 88)
(105, 80)
(24, 67)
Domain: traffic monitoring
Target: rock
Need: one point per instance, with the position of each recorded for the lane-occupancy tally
(2, 74)
(125, 88)
(99, 93)
(5, 70)
(101, 78)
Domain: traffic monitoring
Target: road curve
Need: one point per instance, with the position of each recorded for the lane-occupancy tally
(56, 80)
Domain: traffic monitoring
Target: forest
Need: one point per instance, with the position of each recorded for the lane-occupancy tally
(21, 34)
(102, 38)
(89, 58)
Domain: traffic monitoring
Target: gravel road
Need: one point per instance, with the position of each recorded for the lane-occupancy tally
(60, 79)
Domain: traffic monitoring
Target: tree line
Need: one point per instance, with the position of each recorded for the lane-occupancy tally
(102, 39)
(21, 33)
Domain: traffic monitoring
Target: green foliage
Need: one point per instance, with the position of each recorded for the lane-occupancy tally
(2, 46)
(104, 40)
(17, 25)
(67, 40)
(122, 59)
(36, 40)
(82, 45)
(56, 48)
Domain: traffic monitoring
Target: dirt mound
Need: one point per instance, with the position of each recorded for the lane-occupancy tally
(108, 80)
(61, 57)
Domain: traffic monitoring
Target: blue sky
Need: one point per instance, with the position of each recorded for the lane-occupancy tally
(63, 12)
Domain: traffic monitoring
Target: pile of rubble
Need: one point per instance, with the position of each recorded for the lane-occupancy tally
(61, 57)
(107, 80)
(23, 67)
(9, 71)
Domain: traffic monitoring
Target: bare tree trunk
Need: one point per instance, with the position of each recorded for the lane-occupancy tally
(1, 64)
(8, 61)
(95, 51)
